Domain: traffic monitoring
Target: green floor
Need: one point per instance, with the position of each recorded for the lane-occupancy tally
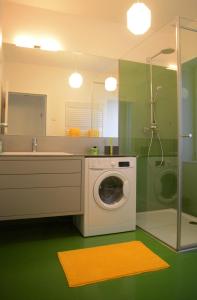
(29, 269)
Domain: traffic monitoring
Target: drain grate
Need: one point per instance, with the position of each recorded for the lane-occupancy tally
(193, 222)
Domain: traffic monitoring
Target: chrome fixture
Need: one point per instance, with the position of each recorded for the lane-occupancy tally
(1, 146)
(34, 144)
(153, 97)
(163, 51)
(3, 125)
(187, 136)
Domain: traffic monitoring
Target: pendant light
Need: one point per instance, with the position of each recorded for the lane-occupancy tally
(110, 84)
(138, 18)
(75, 80)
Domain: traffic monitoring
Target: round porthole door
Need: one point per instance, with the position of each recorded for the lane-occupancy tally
(166, 186)
(111, 190)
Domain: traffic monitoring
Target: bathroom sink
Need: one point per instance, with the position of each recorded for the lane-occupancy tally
(38, 153)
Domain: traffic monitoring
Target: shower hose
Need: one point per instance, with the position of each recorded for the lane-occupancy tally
(160, 144)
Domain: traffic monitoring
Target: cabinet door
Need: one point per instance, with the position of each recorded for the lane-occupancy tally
(50, 166)
(39, 202)
(39, 180)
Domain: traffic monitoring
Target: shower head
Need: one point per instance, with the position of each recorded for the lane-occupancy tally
(167, 51)
(163, 51)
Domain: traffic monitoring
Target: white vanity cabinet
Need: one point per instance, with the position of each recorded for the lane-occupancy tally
(35, 186)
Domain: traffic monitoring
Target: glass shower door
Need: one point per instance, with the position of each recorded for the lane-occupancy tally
(188, 131)
(148, 128)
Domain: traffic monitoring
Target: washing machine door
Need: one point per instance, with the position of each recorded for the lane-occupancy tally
(111, 190)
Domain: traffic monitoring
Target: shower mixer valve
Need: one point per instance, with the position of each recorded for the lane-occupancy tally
(152, 127)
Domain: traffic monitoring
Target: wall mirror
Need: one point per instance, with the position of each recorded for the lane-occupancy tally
(40, 101)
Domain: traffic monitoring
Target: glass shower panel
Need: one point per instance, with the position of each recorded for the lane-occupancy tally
(148, 128)
(188, 142)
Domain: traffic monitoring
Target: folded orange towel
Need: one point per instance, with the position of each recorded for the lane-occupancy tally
(74, 132)
(94, 132)
(95, 264)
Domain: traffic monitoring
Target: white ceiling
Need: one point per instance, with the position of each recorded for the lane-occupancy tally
(114, 10)
(92, 26)
(109, 10)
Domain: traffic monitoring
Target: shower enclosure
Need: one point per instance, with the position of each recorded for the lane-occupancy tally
(158, 123)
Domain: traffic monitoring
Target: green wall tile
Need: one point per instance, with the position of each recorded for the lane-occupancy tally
(134, 118)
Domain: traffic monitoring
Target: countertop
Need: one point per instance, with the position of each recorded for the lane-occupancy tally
(45, 154)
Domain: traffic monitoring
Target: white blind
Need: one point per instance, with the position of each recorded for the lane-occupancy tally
(83, 115)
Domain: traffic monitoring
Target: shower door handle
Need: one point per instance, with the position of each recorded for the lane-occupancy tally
(187, 136)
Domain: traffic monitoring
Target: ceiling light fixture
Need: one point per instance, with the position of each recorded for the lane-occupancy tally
(49, 45)
(138, 18)
(75, 80)
(110, 84)
(24, 41)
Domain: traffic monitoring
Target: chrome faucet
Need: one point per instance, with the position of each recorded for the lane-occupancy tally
(34, 144)
(3, 125)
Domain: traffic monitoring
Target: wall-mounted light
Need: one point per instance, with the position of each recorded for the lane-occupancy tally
(39, 43)
(75, 80)
(49, 45)
(110, 84)
(24, 41)
(138, 18)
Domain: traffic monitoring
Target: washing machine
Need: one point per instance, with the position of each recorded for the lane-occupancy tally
(110, 196)
(161, 183)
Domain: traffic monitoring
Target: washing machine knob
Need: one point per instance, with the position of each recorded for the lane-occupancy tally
(113, 163)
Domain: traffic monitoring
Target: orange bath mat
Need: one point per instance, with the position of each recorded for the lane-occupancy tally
(90, 265)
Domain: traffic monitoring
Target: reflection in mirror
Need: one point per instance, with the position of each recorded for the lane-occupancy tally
(41, 102)
(26, 114)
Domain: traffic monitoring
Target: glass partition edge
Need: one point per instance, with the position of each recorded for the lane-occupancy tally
(179, 171)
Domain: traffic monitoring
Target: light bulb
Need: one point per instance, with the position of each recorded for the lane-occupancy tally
(49, 45)
(110, 84)
(138, 18)
(75, 80)
(32, 42)
(24, 41)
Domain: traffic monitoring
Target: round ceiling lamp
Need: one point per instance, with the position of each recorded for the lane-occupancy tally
(75, 80)
(110, 84)
(138, 18)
